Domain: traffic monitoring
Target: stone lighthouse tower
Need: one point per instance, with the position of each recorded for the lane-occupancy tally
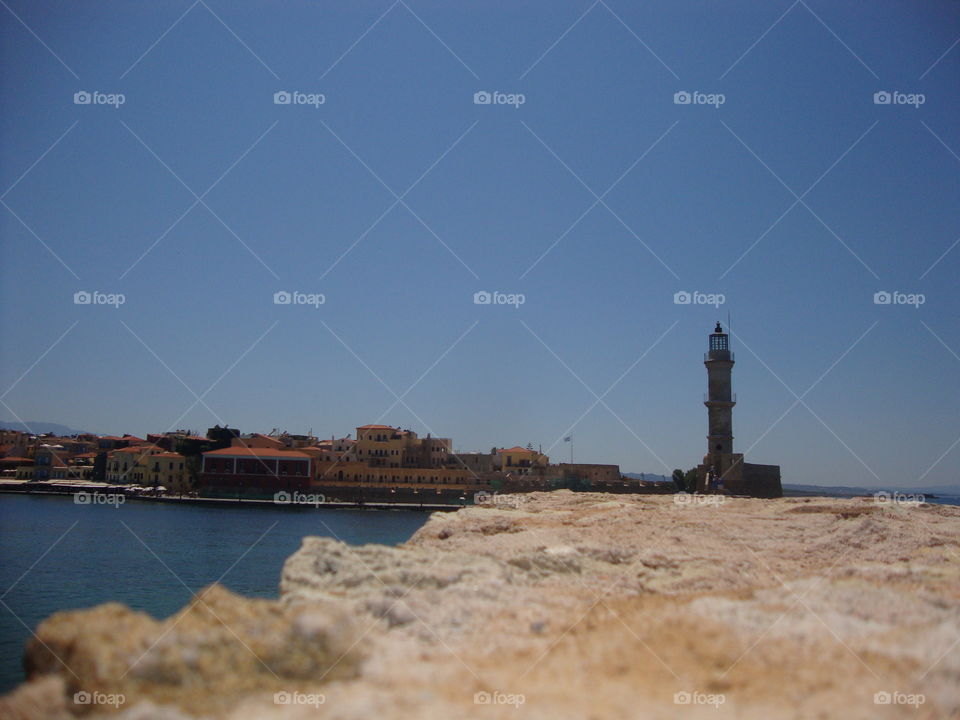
(723, 469)
(721, 466)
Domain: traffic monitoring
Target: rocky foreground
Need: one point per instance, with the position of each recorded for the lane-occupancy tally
(551, 605)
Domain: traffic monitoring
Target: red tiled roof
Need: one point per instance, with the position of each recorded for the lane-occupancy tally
(258, 452)
(167, 455)
(515, 448)
(14, 458)
(375, 427)
(138, 449)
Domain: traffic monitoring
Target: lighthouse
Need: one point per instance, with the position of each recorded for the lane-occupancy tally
(723, 470)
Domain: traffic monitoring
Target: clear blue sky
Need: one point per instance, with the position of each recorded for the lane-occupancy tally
(707, 201)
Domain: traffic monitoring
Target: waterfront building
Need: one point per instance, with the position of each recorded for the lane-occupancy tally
(122, 462)
(520, 461)
(162, 469)
(238, 471)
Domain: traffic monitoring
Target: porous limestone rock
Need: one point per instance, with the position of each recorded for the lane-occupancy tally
(557, 605)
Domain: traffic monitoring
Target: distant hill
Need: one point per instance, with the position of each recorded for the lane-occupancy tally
(40, 427)
(851, 490)
(951, 490)
(649, 477)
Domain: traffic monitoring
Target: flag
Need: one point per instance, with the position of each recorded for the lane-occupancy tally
(568, 438)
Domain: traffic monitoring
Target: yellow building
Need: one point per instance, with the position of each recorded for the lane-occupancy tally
(385, 446)
(354, 474)
(520, 461)
(164, 469)
(382, 445)
(121, 463)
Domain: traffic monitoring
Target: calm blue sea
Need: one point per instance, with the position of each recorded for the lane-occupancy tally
(120, 554)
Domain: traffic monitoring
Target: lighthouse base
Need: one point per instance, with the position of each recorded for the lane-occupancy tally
(737, 477)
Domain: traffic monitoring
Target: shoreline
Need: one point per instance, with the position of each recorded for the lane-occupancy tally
(64, 491)
(238, 502)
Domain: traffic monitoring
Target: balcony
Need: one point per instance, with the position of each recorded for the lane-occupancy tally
(706, 355)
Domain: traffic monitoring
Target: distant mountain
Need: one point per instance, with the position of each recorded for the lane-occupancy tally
(649, 477)
(850, 490)
(40, 427)
(940, 490)
(951, 490)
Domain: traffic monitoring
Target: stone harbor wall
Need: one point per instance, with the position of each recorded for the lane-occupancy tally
(551, 606)
(762, 481)
(740, 478)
